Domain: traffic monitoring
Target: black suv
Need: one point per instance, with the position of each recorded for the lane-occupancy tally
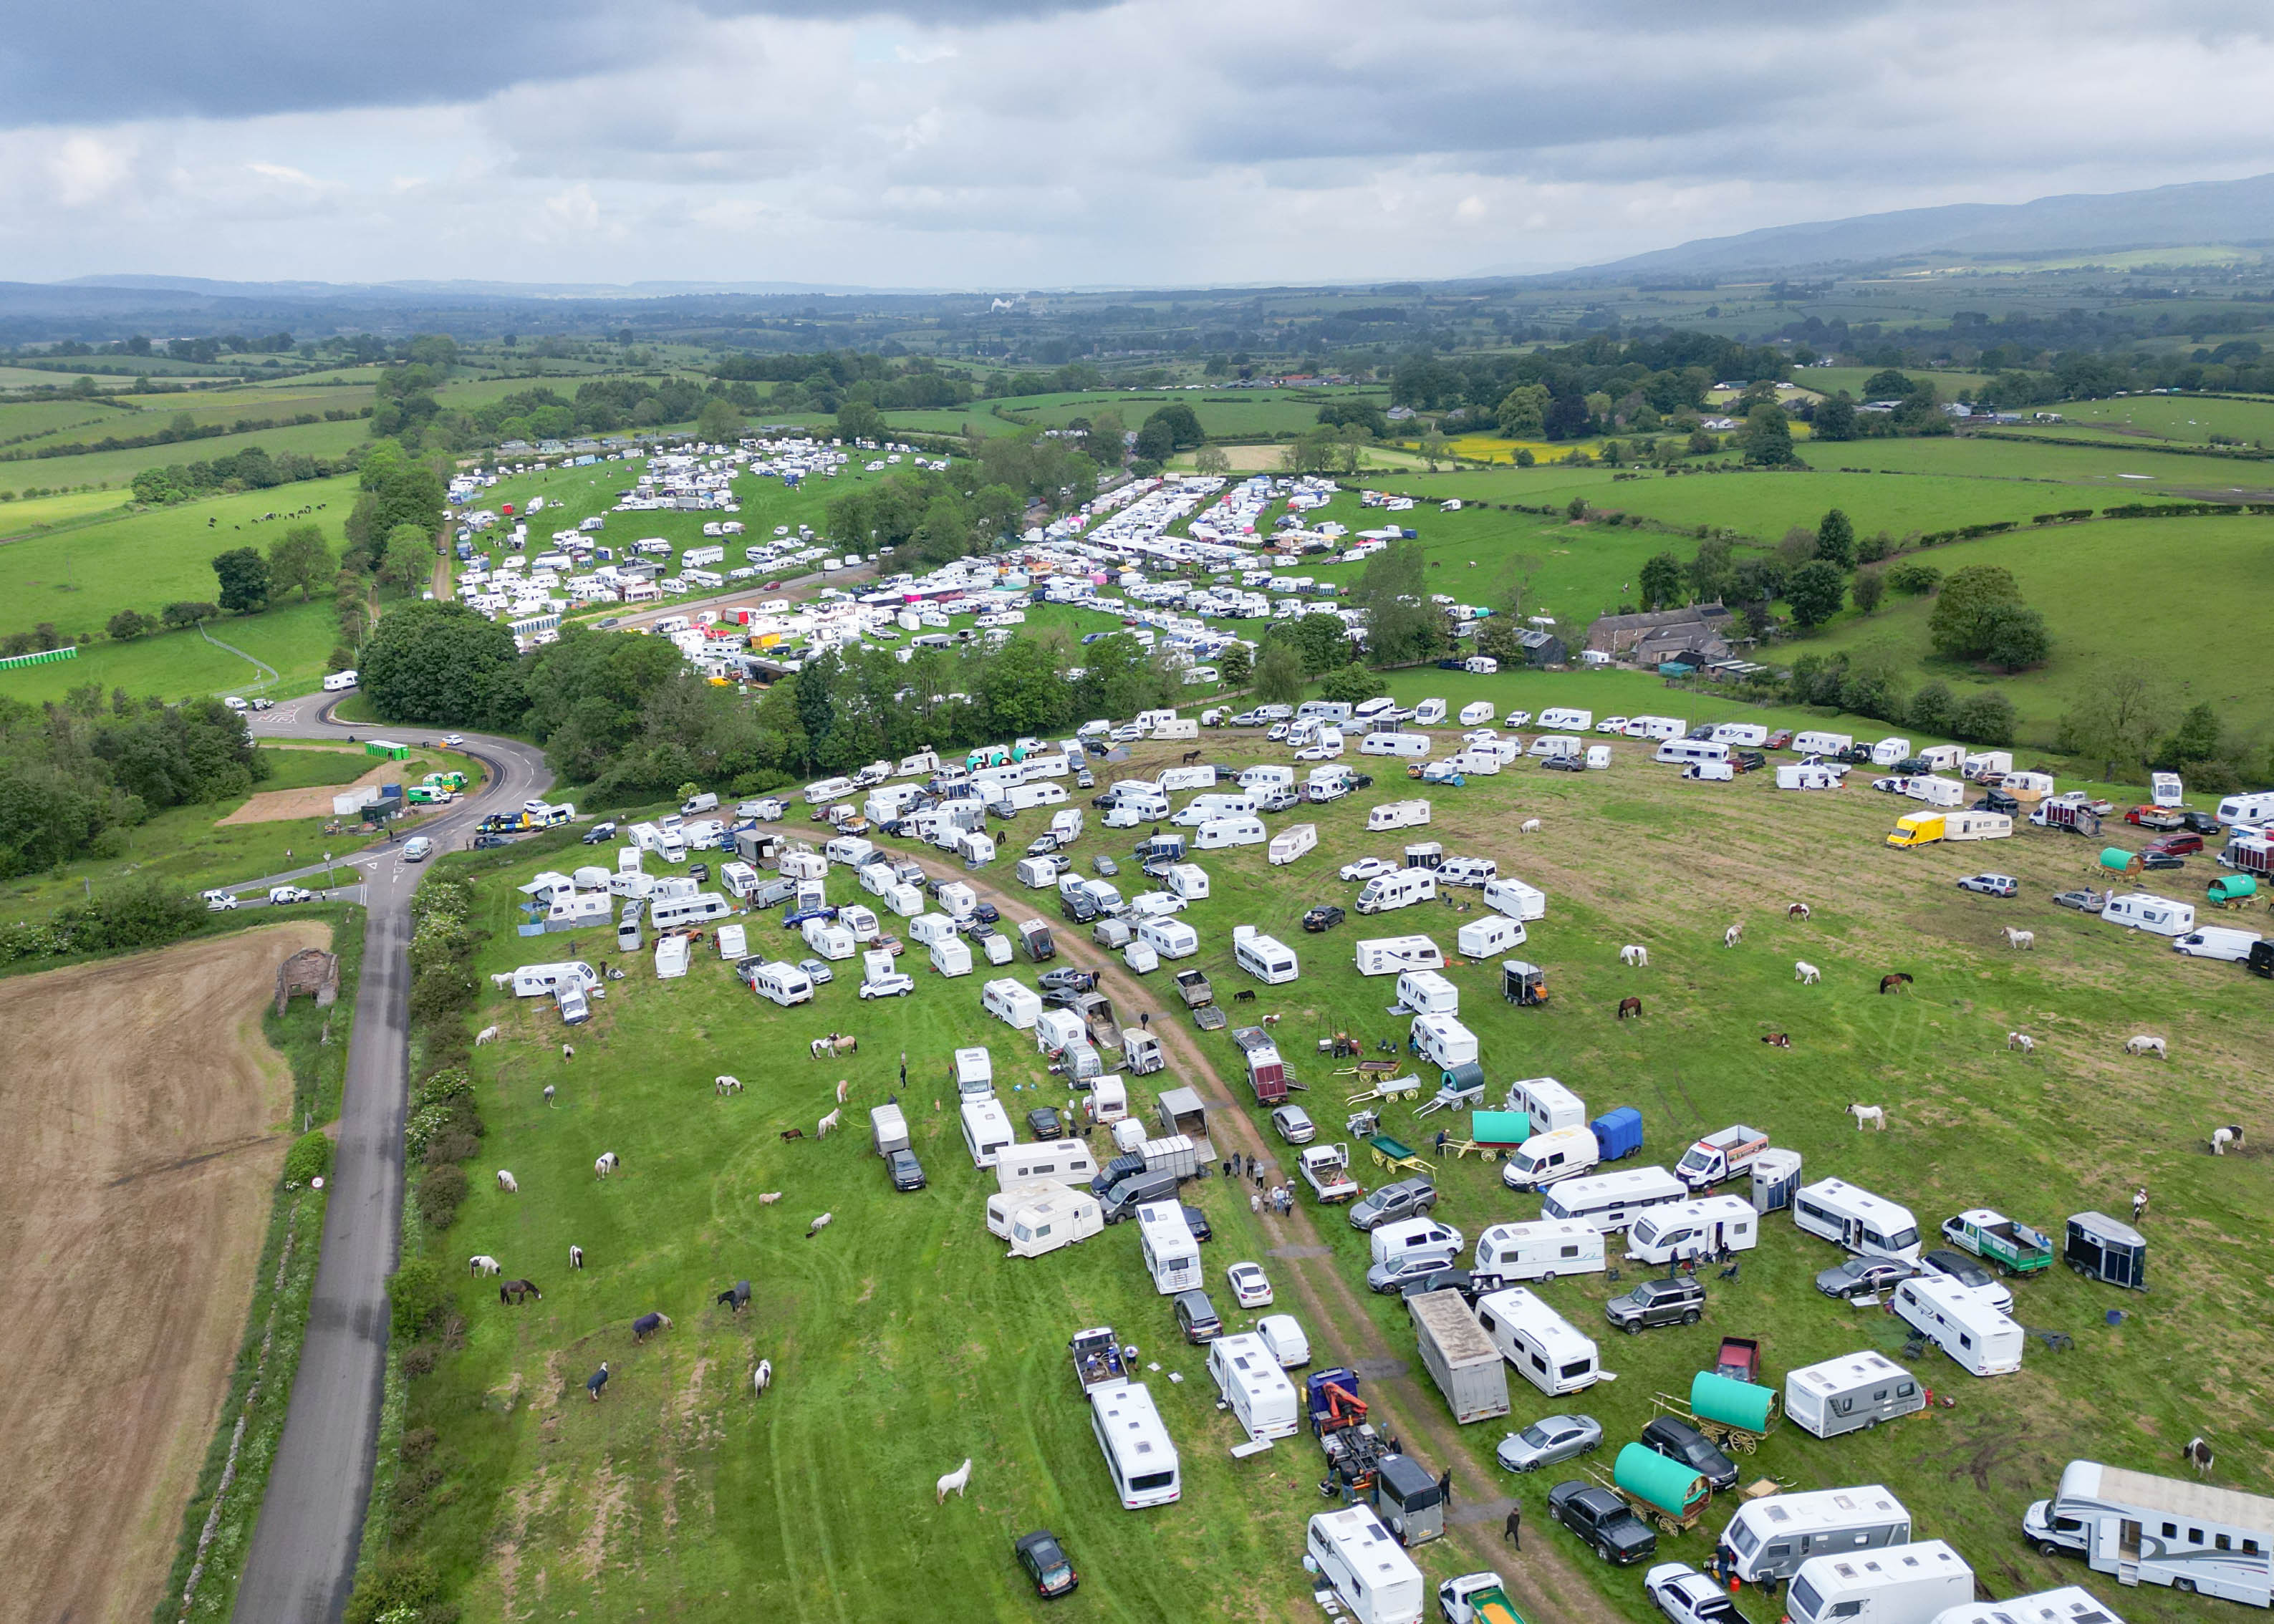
(1601, 1519)
(1326, 916)
(1678, 1441)
(1196, 1317)
(907, 1172)
(1997, 800)
(1679, 1301)
(1408, 1197)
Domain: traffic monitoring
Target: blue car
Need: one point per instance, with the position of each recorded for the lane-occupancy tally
(792, 921)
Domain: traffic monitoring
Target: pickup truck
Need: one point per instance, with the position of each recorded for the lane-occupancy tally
(1720, 1157)
(1326, 1168)
(2014, 1247)
(1604, 1521)
(1477, 1598)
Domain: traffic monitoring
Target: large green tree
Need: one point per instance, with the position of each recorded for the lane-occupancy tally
(244, 576)
(1815, 592)
(720, 420)
(408, 559)
(1768, 437)
(441, 665)
(1965, 618)
(1279, 674)
(1835, 539)
(1661, 582)
(1401, 623)
(299, 561)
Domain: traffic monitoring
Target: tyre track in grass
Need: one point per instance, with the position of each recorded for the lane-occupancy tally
(1543, 1579)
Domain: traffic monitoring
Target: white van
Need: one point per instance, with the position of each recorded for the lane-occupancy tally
(2213, 943)
(1425, 992)
(1544, 1158)
(1983, 1341)
(1263, 1400)
(1563, 716)
(2140, 911)
(1413, 746)
(1064, 1161)
(1482, 938)
(1547, 1102)
(1540, 1251)
(1140, 1456)
(1219, 832)
(1403, 889)
(1364, 1567)
(1864, 1223)
(1515, 899)
(986, 1131)
(1553, 1354)
(1611, 1201)
(1703, 1229)
(1265, 957)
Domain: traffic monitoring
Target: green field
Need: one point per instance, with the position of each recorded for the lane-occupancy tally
(903, 1342)
(2182, 419)
(1233, 413)
(118, 467)
(295, 640)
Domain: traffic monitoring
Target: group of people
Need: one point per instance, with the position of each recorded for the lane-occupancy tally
(1269, 1197)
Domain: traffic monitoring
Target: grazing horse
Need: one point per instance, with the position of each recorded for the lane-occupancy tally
(764, 1377)
(1630, 1007)
(482, 1263)
(1244, 995)
(507, 1183)
(514, 1291)
(488, 1034)
(1188, 758)
(2196, 1452)
(605, 1163)
(835, 1043)
(1874, 1115)
(1634, 956)
(844, 1084)
(723, 1085)
(648, 1324)
(2021, 941)
(2021, 1041)
(1798, 910)
(955, 1480)
(1531, 826)
(828, 1122)
(1734, 935)
(2221, 1138)
(1898, 982)
(820, 1224)
(736, 1295)
(2143, 1044)
(1777, 1040)
(1806, 973)
(769, 1198)
(576, 1256)
(792, 1133)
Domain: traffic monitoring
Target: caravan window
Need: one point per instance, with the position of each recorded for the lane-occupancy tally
(1578, 1367)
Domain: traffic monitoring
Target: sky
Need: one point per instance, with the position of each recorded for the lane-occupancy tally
(1027, 144)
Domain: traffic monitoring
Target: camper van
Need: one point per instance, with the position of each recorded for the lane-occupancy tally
(1052, 1217)
(1395, 955)
(1482, 938)
(1981, 1340)
(1771, 1538)
(1441, 1041)
(1547, 1102)
(1515, 899)
(1403, 889)
(1704, 1228)
(1064, 1161)
(1366, 1568)
(1219, 832)
(1173, 1256)
(2146, 1529)
(1686, 752)
(782, 983)
(986, 1131)
(1261, 1398)
(1863, 1223)
(1140, 1456)
(1851, 1394)
(1611, 1201)
(2139, 911)
(1265, 957)
(1560, 1153)
(1901, 1585)
(1539, 1252)
(1413, 746)
(1425, 992)
(1552, 1353)
(1566, 720)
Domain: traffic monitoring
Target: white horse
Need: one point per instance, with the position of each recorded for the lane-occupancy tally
(769, 1198)
(482, 1263)
(486, 1034)
(1733, 936)
(820, 1224)
(575, 1257)
(2021, 941)
(1806, 973)
(725, 1084)
(604, 1163)
(2021, 1041)
(2221, 1138)
(1531, 826)
(954, 1481)
(762, 1377)
(2142, 1044)
(1876, 1115)
(507, 1183)
(828, 1122)
(1635, 955)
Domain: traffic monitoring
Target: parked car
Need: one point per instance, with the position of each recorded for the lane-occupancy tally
(1549, 1439)
(1408, 1197)
(599, 833)
(1196, 1317)
(1367, 868)
(1679, 1301)
(1045, 1123)
(284, 896)
(1991, 885)
(1326, 916)
(1196, 1220)
(1688, 1597)
(2178, 843)
(220, 901)
(893, 986)
(1084, 779)
(2151, 859)
(1046, 1564)
(1678, 1441)
(1957, 1265)
(1068, 977)
(1251, 1287)
(2200, 822)
(906, 1172)
(1293, 1124)
(1780, 739)
(2086, 901)
(1104, 866)
(1862, 1277)
(2155, 818)
(1998, 801)
(1399, 1273)
(418, 848)
(1601, 1519)
(818, 969)
(487, 843)
(1562, 763)
(1451, 1277)
(987, 913)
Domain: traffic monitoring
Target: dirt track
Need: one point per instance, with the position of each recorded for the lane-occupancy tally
(143, 1104)
(277, 806)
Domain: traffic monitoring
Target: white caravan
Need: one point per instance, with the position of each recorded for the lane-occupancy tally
(1540, 1251)
(1552, 1354)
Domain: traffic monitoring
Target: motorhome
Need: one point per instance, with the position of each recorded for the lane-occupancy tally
(1695, 1229)
(1540, 1251)
(986, 1131)
(975, 1071)
(1052, 1217)
(1366, 1568)
(1864, 1223)
(1544, 1158)
(1425, 992)
(1261, 1398)
(1769, 1538)
(1547, 1102)
(1395, 955)
(1982, 1341)
(1265, 957)
(1482, 938)
(1552, 1354)
(1441, 1041)
(1171, 1256)
(1140, 1456)
(1611, 1201)
(2146, 1529)
(1852, 1393)
(1901, 1585)
(1515, 899)
(1400, 890)
(2140, 911)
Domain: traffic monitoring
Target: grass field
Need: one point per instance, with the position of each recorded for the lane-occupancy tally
(118, 467)
(295, 640)
(902, 1343)
(2183, 419)
(1222, 412)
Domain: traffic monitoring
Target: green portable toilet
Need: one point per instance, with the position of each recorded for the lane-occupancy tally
(1745, 1405)
(2116, 860)
(1666, 1484)
(2232, 888)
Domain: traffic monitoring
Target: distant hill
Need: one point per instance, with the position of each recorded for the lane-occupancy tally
(2237, 212)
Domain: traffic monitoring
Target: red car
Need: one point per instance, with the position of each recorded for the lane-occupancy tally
(2181, 843)
(1778, 740)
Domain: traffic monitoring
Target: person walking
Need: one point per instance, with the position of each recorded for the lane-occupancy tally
(1512, 1530)
(1145, 1020)
(1228, 1170)
(1445, 1488)
(1255, 1205)
(1237, 1165)
(2139, 1202)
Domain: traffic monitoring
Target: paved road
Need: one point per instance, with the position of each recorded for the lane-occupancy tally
(304, 1548)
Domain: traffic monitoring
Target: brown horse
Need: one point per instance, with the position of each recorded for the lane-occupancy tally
(1630, 1006)
(514, 1291)
(1891, 983)
(1776, 1039)
(1189, 757)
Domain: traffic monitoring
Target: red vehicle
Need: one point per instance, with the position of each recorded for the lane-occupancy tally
(2180, 844)
(1781, 739)
(2154, 817)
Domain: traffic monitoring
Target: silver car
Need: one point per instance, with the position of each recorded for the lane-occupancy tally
(1549, 1439)
(1293, 1124)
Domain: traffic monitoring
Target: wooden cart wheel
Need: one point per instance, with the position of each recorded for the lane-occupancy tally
(1749, 1445)
(1491, 1155)
(1670, 1524)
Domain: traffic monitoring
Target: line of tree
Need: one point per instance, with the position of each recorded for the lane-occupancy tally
(181, 427)
(253, 469)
